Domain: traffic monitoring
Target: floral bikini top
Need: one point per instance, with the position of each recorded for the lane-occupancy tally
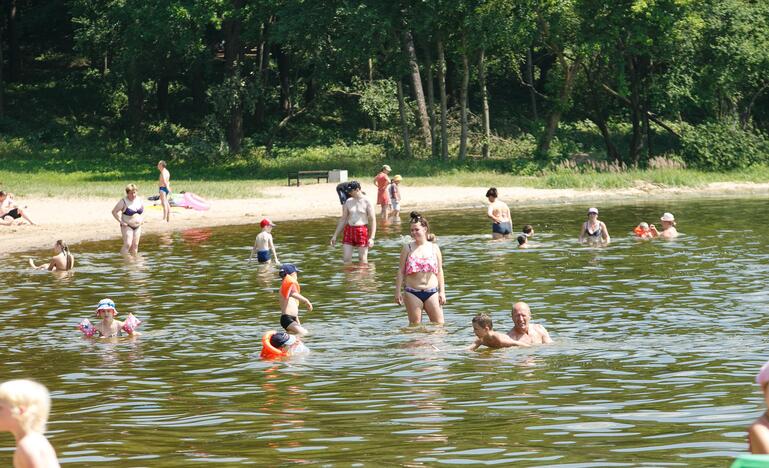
(416, 264)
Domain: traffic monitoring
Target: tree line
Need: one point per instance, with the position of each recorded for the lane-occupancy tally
(636, 71)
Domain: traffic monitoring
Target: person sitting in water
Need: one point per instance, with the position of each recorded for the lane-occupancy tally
(62, 259)
(593, 230)
(486, 336)
(24, 409)
(669, 230)
(359, 223)
(524, 331)
(264, 247)
(523, 241)
(10, 211)
(644, 231)
(289, 300)
(109, 326)
(499, 212)
(758, 432)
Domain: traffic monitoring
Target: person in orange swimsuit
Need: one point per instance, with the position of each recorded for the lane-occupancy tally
(382, 181)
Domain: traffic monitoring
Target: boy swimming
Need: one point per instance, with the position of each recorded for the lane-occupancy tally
(264, 247)
(24, 408)
(486, 336)
(289, 300)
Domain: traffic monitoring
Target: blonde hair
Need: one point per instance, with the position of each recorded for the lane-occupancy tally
(130, 188)
(30, 403)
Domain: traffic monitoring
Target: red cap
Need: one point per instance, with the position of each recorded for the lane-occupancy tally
(266, 222)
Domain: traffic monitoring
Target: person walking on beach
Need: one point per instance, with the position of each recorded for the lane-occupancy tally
(129, 213)
(594, 231)
(359, 223)
(421, 269)
(382, 181)
(10, 211)
(62, 259)
(499, 212)
(164, 187)
(525, 331)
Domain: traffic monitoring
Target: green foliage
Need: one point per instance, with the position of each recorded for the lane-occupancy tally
(379, 101)
(722, 146)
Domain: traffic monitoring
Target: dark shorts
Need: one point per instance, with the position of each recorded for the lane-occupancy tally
(14, 213)
(164, 190)
(286, 320)
(505, 228)
(263, 256)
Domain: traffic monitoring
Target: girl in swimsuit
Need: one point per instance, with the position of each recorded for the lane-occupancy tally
(758, 432)
(128, 212)
(593, 230)
(421, 268)
(109, 327)
(62, 260)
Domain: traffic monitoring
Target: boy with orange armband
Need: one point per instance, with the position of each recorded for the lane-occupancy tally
(289, 300)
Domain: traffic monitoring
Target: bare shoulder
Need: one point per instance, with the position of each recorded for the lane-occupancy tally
(35, 450)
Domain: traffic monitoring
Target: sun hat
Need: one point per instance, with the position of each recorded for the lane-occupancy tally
(763, 375)
(668, 217)
(387, 168)
(397, 178)
(105, 304)
(592, 210)
(279, 339)
(643, 225)
(266, 222)
(287, 268)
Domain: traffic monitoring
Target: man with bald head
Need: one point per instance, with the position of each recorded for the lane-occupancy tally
(524, 331)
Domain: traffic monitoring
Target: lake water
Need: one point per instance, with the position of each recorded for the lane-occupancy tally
(657, 344)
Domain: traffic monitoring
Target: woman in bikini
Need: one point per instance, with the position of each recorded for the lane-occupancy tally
(62, 259)
(758, 432)
(593, 230)
(128, 212)
(421, 268)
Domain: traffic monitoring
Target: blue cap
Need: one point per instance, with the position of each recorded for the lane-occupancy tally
(287, 269)
(279, 339)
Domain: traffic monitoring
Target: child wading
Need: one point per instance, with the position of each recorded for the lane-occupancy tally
(289, 300)
(264, 247)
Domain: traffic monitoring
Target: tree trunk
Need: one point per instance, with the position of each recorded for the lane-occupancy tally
(636, 140)
(404, 122)
(14, 54)
(161, 91)
(560, 106)
(285, 80)
(463, 106)
(2, 83)
(231, 28)
(416, 78)
(611, 149)
(197, 86)
(135, 92)
(530, 79)
(431, 103)
(444, 106)
(263, 63)
(485, 100)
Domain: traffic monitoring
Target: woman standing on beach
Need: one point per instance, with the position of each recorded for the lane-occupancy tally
(421, 269)
(382, 181)
(128, 212)
(62, 259)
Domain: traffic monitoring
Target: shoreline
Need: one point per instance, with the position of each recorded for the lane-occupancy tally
(90, 219)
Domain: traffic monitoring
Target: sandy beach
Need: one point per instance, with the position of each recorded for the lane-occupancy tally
(78, 220)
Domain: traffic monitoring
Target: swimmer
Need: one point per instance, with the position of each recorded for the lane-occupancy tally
(499, 212)
(486, 336)
(357, 216)
(109, 327)
(62, 259)
(382, 181)
(421, 269)
(669, 230)
(523, 241)
(758, 432)
(528, 230)
(289, 300)
(264, 247)
(24, 409)
(524, 331)
(593, 230)
(288, 345)
(395, 196)
(129, 213)
(644, 231)
(10, 211)
(164, 187)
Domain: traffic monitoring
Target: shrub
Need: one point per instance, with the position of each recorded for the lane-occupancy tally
(722, 146)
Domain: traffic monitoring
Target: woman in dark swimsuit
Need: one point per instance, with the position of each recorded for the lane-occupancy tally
(128, 212)
(593, 230)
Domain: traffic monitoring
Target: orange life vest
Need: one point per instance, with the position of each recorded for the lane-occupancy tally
(288, 283)
(268, 350)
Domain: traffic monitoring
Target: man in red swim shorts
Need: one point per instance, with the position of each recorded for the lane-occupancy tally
(357, 215)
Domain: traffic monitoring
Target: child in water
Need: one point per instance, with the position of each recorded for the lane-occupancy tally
(645, 231)
(289, 300)
(523, 241)
(264, 247)
(285, 344)
(24, 408)
(109, 327)
(486, 336)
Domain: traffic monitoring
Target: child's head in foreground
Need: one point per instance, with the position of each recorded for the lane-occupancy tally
(28, 402)
(482, 325)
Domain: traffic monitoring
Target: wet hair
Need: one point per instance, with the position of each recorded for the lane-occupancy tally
(130, 188)
(65, 248)
(417, 218)
(2, 193)
(527, 229)
(521, 239)
(484, 321)
(163, 163)
(492, 192)
(32, 397)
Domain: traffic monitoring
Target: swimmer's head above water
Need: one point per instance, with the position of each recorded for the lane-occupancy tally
(106, 305)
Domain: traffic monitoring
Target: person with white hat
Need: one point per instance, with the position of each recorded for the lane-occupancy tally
(593, 230)
(669, 230)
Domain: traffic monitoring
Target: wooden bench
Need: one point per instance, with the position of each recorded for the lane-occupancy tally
(306, 175)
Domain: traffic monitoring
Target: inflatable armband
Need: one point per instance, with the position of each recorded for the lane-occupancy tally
(86, 327)
(268, 350)
(131, 323)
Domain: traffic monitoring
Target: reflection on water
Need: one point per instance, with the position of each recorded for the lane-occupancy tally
(656, 345)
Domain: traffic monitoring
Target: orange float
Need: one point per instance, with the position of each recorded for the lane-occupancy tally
(268, 350)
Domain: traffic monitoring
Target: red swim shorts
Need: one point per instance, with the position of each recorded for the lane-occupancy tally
(356, 235)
